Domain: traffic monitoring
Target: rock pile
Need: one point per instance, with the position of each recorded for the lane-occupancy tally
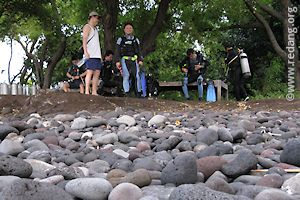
(131, 155)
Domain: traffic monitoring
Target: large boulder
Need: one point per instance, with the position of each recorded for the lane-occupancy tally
(207, 136)
(198, 191)
(291, 152)
(10, 165)
(125, 191)
(182, 170)
(242, 164)
(89, 188)
(5, 130)
(32, 190)
(208, 165)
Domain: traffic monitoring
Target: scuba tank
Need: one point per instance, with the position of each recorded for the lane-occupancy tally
(20, 89)
(14, 89)
(245, 64)
(33, 89)
(5, 89)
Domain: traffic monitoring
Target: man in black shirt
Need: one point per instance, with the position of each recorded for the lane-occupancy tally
(193, 68)
(76, 75)
(235, 72)
(110, 76)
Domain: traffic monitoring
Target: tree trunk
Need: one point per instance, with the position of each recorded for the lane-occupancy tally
(148, 41)
(51, 65)
(37, 65)
(269, 31)
(286, 26)
(9, 63)
(110, 23)
(23, 74)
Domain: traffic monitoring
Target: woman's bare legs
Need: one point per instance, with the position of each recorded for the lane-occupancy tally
(88, 78)
(95, 82)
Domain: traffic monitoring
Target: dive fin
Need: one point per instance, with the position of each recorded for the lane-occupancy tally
(211, 93)
(143, 83)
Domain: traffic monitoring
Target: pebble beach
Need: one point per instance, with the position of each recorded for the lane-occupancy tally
(145, 155)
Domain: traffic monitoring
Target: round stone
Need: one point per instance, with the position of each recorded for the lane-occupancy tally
(125, 191)
(89, 188)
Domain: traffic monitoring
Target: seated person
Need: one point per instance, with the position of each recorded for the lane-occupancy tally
(110, 75)
(193, 68)
(76, 75)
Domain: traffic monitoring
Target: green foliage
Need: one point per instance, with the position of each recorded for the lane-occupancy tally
(272, 79)
(32, 30)
(171, 95)
(140, 13)
(209, 22)
(164, 62)
(61, 70)
(274, 75)
(73, 44)
(80, 9)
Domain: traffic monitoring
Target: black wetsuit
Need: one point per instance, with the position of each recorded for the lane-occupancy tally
(235, 73)
(74, 70)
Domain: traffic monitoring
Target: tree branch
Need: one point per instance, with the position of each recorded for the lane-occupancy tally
(14, 77)
(55, 59)
(270, 11)
(27, 78)
(28, 54)
(23, 72)
(270, 33)
(33, 44)
(36, 64)
(247, 25)
(9, 62)
(150, 36)
(43, 51)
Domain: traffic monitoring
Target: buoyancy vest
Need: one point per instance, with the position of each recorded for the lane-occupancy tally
(129, 46)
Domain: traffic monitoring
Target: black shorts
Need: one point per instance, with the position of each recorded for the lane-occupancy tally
(75, 84)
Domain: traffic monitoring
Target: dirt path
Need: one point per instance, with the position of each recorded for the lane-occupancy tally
(58, 102)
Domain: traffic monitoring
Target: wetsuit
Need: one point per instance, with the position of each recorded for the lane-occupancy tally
(235, 72)
(128, 53)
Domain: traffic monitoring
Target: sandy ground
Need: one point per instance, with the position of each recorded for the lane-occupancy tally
(47, 102)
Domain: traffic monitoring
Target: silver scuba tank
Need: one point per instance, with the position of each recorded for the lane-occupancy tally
(14, 89)
(245, 65)
(27, 90)
(20, 89)
(33, 89)
(5, 89)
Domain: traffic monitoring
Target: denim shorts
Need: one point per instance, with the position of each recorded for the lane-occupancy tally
(93, 64)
